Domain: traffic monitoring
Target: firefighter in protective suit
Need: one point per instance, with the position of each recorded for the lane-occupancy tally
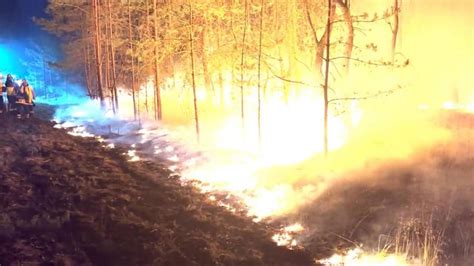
(12, 89)
(3, 89)
(29, 96)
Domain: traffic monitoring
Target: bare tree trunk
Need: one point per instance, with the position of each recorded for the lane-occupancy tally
(112, 57)
(221, 78)
(146, 98)
(396, 10)
(326, 79)
(89, 70)
(242, 56)
(191, 44)
(349, 44)
(291, 43)
(171, 58)
(320, 43)
(97, 51)
(145, 79)
(135, 112)
(155, 96)
(107, 74)
(107, 61)
(202, 51)
(86, 70)
(259, 74)
(230, 5)
(159, 112)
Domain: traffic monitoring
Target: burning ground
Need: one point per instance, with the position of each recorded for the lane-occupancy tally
(420, 207)
(74, 200)
(68, 200)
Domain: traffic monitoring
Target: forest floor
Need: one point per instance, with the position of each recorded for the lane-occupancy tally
(67, 200)
(422, 205)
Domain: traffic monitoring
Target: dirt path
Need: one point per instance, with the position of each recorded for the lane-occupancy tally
(66, 201)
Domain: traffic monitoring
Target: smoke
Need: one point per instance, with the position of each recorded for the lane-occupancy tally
(437, 38)
(430, 189)
(395, 159)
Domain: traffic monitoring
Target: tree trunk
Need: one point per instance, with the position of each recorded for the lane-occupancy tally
(86, 70)
(349, 44)
(242, 56)
(147, 36)
(159, 112)
(320, 43)
(135, 112)
(97, 51)
(259, 113)
(396, 10)
(291, 43)
(326, 79)
(89, 67)
(107, 62)
(220, 77)
(191, 45)
(203, 55)
(112, 57)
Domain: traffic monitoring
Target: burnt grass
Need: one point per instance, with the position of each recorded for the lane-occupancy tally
(415, 202)
(68, 200)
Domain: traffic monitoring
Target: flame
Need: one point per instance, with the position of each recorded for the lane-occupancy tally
(75, 130)
(239, 158)
(291, 132)
(173, 158)
(264, 172)
(274, 173)
(132, 154)
(470, 108)
(357, 257)
(449, 106)
(285, 237)
(110, 146)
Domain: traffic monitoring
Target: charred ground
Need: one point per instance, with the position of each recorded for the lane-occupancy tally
(422, 205)
(67, 200)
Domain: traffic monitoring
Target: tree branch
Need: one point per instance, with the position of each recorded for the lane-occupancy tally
(372, 63)
(74, 6)
(366, 97)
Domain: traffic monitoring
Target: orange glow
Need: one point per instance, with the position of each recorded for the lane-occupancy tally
(377, 113)
(286, 234)
(357, 257)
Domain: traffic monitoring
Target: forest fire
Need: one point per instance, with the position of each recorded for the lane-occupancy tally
(292, 112)
(357, 257)
(286, 236)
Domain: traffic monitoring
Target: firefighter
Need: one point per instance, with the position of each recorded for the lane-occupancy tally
(2, 90)
(30, 96)
(11, 88)
(21, 103)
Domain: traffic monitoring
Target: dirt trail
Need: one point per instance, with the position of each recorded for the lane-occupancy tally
(66, 200)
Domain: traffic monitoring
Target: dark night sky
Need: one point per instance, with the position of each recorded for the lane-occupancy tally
(18, 33)
(16, 18)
